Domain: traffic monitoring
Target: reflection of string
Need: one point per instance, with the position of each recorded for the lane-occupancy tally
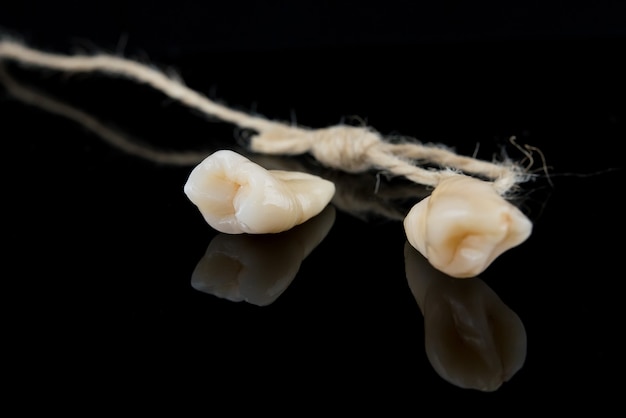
(472, 339)
(117, 139)
(356, 194)
(258, 268)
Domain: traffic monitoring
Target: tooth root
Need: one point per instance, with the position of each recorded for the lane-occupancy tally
(464, 225)
(236, 195)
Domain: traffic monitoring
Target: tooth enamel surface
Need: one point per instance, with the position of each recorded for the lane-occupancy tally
(236, 195)
(464, 225)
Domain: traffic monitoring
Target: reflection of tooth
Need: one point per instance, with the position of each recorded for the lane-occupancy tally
(472, 339)
(258, 268)
(236, 195)
(464, 225)
(245, 268)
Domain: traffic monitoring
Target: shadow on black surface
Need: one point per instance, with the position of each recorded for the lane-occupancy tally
(258, 268)
(472, 339)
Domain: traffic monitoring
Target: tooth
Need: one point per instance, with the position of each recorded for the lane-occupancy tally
(258, 268)
(464, 225)
(472, 339)
(236, 195)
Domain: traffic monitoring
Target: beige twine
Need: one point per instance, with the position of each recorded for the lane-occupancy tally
(348, 148)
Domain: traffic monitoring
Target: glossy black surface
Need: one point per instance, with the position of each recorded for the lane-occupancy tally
(104, 252)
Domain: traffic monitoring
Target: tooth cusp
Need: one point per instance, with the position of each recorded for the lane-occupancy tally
(236, 195)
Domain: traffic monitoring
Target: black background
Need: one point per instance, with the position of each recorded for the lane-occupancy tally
(188, 26)
(100, 245)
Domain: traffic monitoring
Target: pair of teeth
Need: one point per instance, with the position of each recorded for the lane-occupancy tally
(461, 228)
(236, 195)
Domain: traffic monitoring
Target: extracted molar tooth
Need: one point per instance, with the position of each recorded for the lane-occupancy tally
(258, 268)
(464, 225)
(472, 339)
(236, 195)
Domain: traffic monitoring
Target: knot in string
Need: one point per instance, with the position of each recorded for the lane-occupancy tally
(341, 147)
(345, 148)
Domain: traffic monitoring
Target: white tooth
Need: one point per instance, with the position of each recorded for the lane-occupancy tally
(472, 339)
(464, 225)
(236, 195)
(258, 268)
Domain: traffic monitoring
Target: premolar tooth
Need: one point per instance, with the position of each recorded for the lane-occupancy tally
(236, 195)
(464, 225)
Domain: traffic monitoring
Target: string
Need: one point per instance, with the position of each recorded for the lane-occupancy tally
(353, 149)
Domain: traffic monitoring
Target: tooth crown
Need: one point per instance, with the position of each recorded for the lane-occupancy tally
(236, 195)
(464, 225)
